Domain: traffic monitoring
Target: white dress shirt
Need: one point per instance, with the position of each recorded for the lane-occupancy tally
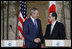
(52, 26)
(33, 19)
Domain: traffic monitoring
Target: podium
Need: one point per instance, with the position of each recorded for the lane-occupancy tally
(48, 43)
(12, 43)
(57, 43)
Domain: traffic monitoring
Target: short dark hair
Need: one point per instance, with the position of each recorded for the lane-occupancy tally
(54, 14)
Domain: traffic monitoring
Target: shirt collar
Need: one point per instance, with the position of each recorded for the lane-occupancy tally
(54, 23)
(32, 18)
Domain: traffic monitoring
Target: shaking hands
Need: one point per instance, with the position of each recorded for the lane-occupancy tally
(37, 40)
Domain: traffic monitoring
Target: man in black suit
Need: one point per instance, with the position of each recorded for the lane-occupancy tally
(55, 30)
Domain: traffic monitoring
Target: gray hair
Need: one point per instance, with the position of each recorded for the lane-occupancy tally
(32, 10)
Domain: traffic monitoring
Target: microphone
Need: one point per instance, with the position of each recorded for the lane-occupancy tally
(11, 26)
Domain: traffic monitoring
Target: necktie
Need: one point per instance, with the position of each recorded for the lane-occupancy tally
(35, 23)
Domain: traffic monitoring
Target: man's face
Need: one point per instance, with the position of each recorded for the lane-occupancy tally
(35, 14)
(51, 18)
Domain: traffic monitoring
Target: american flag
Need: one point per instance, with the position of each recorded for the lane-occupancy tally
(22, 18)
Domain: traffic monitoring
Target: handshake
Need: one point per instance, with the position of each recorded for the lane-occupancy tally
(37, 40)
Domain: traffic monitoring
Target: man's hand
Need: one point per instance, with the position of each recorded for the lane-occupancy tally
(37, 40)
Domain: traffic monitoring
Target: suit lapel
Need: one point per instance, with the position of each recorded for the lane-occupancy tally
(32, 24)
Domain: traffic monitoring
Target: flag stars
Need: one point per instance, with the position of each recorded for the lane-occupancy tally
(24, 6)
(20, 1)
(24, 2)
(24, 15)
(24, 9)
(24, 12)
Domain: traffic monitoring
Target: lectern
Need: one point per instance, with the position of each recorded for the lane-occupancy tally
(57, 43)
(12, 43)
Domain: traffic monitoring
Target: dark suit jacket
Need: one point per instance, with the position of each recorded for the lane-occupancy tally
(58, 31)
(30, 33)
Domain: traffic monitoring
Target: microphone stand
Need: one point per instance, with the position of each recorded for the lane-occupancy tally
(12, 29)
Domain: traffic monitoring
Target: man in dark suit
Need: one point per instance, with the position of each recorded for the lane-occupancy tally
(55, 30)
(32, 30)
